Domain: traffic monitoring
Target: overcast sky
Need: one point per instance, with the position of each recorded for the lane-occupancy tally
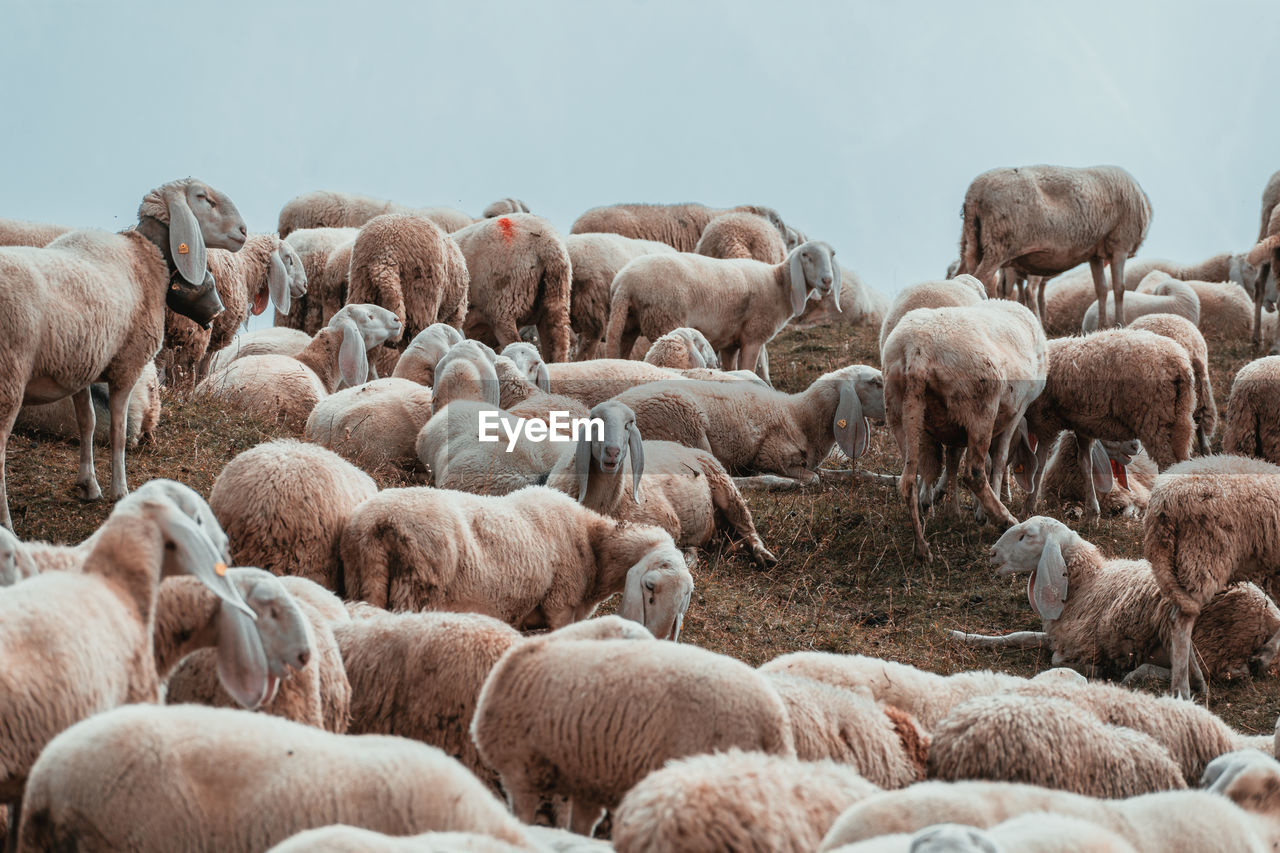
(861, 122)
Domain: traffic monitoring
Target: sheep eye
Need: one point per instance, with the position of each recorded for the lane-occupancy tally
(649, 585)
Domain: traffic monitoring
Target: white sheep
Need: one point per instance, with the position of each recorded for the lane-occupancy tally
(326, 258)
(504, 205)
(961, 377)
(682, 349)
(957, 292)
(17, 232)
(620, 734)
(595, 260)
(1185, 332)
(425, 548)
(328, 209)
(599, 379)
(1030, 833)
(109, 319)
(738, 304)
(450, 450)
(1167, 296)
(59, 419)
(1252, 423)
(374, 425)
(739, 234)
(466, 372)
(1123, 464)
(860, 304)
(418, 361)
(127, 778)
(677, 225)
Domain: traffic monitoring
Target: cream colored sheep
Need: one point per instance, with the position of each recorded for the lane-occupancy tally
(59, 419)
(411, 267)
(1043, 220)
(739, 234)
(326, 255)
(126, 780)
(327, 209)
(16, 232)
(518, 393)
(735, 800)
(599, 379)
(277, 340)
(957, 292)
(1185, 332)
(596, 259)
(374, 425)
(1252, 423)
(466, 372)
(450, 450)
(110, 291)
(961, 377)
(635, 704)
(418, 361)
(677, 225)
(504, 205)
(430, 549)
(350, 839)
(860, 305)
(1122, 463)
(739, 304)
(284, 504)
(682, 349)
(521, 275)
(1168, 296)
(1223, 267)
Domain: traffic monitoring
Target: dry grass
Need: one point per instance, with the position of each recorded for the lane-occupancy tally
(846, 582)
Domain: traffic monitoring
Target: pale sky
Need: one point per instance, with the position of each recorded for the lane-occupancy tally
(861, 122)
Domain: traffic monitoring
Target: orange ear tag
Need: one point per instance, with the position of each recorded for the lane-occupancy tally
(842, 423)
(221, 569)
(182, 248)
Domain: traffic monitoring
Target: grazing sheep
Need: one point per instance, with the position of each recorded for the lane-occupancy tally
(59, 419)
(284, 504)
(884, 744)
(110, 293)
(1066, 299)
(1084, 394)
(619, 734)
(1043, 220)
(677, 225)
(277, 340)
(326, 209)
(430, 549)
(521, 275)
(450, 449)
(742, 235)
(1210, 521)
(326, 255)
(373, 425)
(418, 361)
(1185, 332)
(78, 643)
(959, 292)
(1131, 473)
(418, 675)
(411, 267)
(504, 205)
(1226, 311)
(859, 304)
(961, 377)
(596, 260)
(16, 232)
(735, 800)
(752, 428)
(467, 371)
(682, 349)
(126, 780)
(738, 304)
(1044, 741)
(1252, 423)
(1168, 296)
(597, 380)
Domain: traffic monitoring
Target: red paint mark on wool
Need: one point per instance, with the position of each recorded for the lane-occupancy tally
(508, 230)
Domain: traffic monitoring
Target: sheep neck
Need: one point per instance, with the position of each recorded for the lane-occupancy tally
(158, 233)
(183, 606)
(321, 356)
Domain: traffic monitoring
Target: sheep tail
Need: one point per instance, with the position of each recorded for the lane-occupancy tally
(617, 325)
(1160, 546)
(366, 564)
(915, 742)
(970, 241)
(915, 385)
(1184, 404)
(554, 288)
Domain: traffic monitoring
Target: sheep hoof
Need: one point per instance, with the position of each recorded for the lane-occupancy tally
(89, 491)
(763, 557)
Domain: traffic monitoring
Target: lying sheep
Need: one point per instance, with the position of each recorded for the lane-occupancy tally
(411, 267)
(592, 382)
(1045, 741)
(504, 205)
(739, 234)
(59, 419)
(521, 275)
(959, 292)
(1122, 464)
(735, 800)
(450, 450)
(1084, 394)
(350, 839)
(677, 225)
(860, 305)
(327, 209)
(1210, 519)
(284, 504)
(1184, 332)
(418, 675)
(418, 361)
(1225, 266)
(17, 232)
(883, 743)
(1226, 311)
(1108, 617)
(595, 260)
(1168, 296)
(1043, 220)
(110, 314)
(126, 779)
(710, 703)
(1031, 833)
(738, 304)
(682, 349)
(1066, 299)
(277, 340)
(374, 425)
(1252, 423)
(429, 549)
(961, 377)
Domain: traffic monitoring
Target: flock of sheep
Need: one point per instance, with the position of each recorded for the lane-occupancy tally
(427, 668)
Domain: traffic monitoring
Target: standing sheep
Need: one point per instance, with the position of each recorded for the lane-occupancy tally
(742, 235)
(1043, 220)
(596, 260)
(677, 225)
(59, 419)
(504, 205)
(1185, 332)
(1252, 423)
(409, 266)
(521, 275)
(958, 292)
(327, 209)
(326, 283)
(1166, 296)
(682, 349)
(284, 504)
(110, 292)
(16, 232)
(634, 704)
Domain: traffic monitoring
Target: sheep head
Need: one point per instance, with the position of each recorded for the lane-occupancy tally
(812, 269)
(529, 362)
(1036, 546)
(255, 654)
(377, 325)
(657, 591)
(609, 451)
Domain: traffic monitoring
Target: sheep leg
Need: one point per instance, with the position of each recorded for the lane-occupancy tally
(728, 501)
(506, 331)
(11, 835)
(584, 815)
(1180, 654)
(1259, 295)
(1083, 445)
(975, 471)
(772, 483)
(1148, 670)
(750, 354)
(1117, 285)
(118, 406)
(86, 480)
(1016, 640)
(1041, 281)
(1000, 464)
(729, 358)
(1100, 289)
(950, 481)
(1037, 480)
(1266, 655)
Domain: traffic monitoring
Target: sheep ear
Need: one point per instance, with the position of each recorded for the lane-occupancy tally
(543, 380)
(277, 284)
(353, 361)
(242, 663)
(632, 606)
(835, 283)
(1100, 468)
(186, 242)
(850, 427)
(799, 289)
(1049, 592)
(194, 554)
(582, 465)
(637, 459)
(1023, 459)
